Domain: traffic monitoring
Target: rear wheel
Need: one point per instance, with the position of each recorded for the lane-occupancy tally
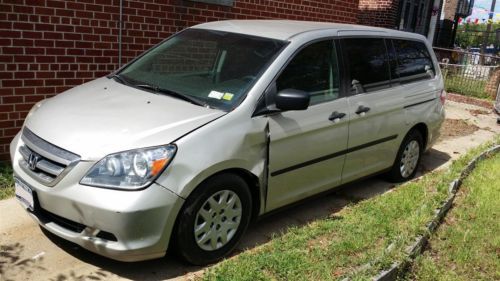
(213, 220)
(408, 158)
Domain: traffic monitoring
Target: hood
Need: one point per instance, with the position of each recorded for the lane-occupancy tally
(104, 116)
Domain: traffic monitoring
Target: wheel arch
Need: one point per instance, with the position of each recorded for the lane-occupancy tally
(253, 184)
(423, 130)
(254, 187)
(250, 179)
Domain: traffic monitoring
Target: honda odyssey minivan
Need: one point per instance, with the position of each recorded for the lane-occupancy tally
(221, 123)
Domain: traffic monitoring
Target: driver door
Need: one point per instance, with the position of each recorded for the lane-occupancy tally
(307, 148)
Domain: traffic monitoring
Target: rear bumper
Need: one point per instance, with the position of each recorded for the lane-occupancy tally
(121, 225)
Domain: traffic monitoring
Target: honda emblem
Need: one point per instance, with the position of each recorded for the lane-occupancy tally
(32, 160)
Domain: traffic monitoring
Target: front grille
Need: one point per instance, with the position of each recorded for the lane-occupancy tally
(44, 161)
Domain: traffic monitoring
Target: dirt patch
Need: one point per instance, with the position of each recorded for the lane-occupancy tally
(476, 112)
(469, 100)
(453, 128)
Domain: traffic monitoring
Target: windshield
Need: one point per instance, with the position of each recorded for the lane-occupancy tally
(215, 67)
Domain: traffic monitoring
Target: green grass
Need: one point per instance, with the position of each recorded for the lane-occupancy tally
(336, 247)
(467, 245)
(467, 87)
(6, 182)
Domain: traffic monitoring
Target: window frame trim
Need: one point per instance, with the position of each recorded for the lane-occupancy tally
(348, 93)
(413, 78)
(347, 68)
(271, 87)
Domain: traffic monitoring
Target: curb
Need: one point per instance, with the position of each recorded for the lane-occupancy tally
(400, 268)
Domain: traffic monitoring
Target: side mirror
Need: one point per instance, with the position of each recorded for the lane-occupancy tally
(291, 99)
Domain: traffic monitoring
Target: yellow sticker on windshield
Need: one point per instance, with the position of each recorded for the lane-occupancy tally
(227, 96)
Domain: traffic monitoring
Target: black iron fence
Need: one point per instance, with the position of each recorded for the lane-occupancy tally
(470, 73)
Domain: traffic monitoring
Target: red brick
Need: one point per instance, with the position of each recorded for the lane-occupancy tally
(52, 35)
(23, 107)
(12, 99)
(44, 43)
(65, 13)
(33, 98)
(34, 51)
(12, 50)
(24, 75)
(23, 9)
(45, 90)
(33, 83)
(5, 75)
(34, 35)
(75, 6)
(65, 74)
(44, 11)
(12, 83)
(24, 91)
(10, 34)
(65, 28)
(53, 82)
(6, 92)
(22, 42)
(23, 26)
(11, 131)
(44, 27)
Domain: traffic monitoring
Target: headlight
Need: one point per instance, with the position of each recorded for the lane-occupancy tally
(130, 170)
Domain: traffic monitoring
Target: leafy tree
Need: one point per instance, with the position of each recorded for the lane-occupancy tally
(471, 35)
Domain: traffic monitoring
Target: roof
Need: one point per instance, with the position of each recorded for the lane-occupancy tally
(285, 29)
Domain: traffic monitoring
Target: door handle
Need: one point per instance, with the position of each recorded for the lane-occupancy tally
(336, 116)
(362, 110)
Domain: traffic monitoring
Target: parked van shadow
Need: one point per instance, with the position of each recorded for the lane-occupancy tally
(258, 233)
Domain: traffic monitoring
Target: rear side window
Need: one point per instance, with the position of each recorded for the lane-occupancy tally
(413, 61)
(368, 64)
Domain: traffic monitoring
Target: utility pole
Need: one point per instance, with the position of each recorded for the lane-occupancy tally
(488, 31)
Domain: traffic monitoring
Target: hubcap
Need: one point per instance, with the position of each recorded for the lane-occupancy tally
(409, 159)
(217, 220)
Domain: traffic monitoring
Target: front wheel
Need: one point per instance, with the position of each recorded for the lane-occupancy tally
(408, 158)
(213, 220)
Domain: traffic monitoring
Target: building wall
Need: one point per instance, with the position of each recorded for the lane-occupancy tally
(453, 9)
(382, 13)
(48, 46)
(450, 9)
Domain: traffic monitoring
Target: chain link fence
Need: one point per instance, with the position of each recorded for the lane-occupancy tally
(470, 73)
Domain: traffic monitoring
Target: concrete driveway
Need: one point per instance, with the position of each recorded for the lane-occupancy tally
(28, 253)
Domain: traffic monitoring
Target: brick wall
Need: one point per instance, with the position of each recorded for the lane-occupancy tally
(381, 13)
(48, 46)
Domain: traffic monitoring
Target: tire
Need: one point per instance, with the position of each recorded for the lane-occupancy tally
(407, 160)
(213, 218)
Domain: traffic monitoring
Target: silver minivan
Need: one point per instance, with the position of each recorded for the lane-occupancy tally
(219, 124)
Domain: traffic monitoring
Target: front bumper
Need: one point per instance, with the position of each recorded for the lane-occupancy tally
(121, 225)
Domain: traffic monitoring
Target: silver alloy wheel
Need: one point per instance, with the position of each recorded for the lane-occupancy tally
(409, 159)
(217, 220)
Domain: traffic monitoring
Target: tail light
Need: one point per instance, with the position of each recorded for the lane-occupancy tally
(442, 96)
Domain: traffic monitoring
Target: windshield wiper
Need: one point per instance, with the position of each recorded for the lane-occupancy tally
(119, 79)
(171, 93)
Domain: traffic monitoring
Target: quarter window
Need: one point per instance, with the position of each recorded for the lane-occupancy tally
(368, 64)
(413, 61)
(314, 70)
